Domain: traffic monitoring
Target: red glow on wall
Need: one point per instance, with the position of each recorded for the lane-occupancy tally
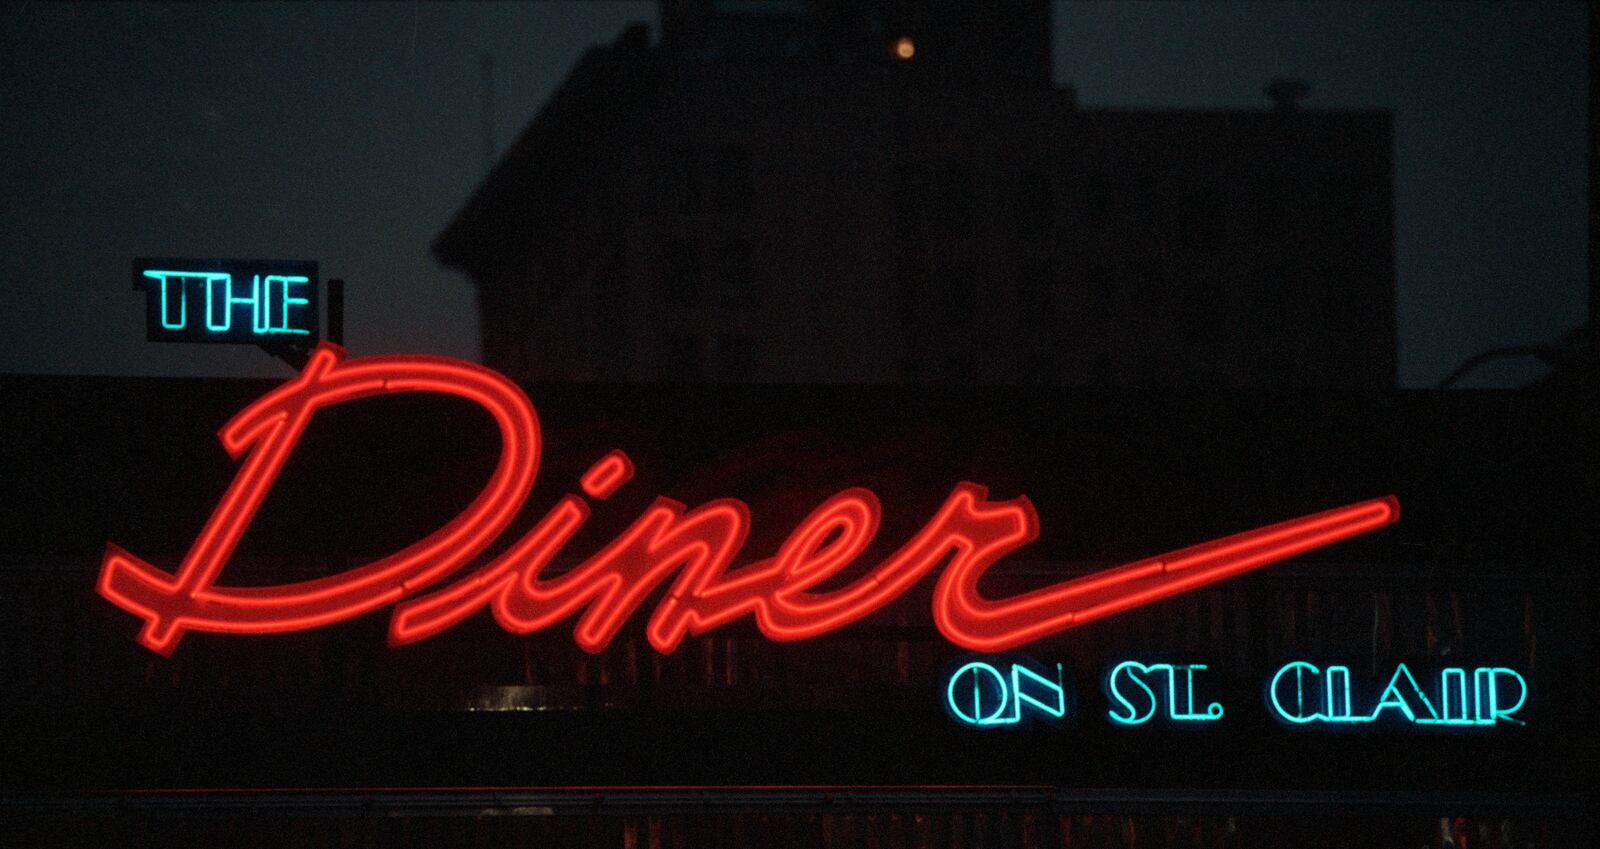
(699, 545)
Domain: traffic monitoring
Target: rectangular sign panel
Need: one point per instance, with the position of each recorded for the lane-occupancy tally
(250, 301)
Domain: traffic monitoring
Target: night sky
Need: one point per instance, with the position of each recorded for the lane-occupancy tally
(349, 133)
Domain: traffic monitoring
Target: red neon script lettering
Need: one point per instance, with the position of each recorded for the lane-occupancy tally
(969, 533)
(269, 429)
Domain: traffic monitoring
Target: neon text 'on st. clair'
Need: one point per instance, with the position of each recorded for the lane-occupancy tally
(695, 547)
(979, 694)
(1302, 693)
(1138, 692)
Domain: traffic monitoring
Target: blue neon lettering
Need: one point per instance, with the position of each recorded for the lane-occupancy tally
(1459, 676)
(227, 300)
(1134, 717)
(1337, 690)
(278, 300)
(1057, 710)
(1002, 696)
(163, 276)
(977, 716)
(285, 301)
(1394, 697)
(1402, 696)
(1492, 712)
(1132, 670)
(183, 299)
(254, 301)
(1298, 715)
(264, 319)
(1213, 711)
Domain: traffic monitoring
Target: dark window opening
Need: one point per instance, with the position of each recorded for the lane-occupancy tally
(958, 368)
(1204, 306)
(736, 356)
(733, 272)
(1200, 224)
(1037, 370)
(1034, 205)
(683, 184)
(908, 288)
(911, 368)
(959, 291)
(1100, 285)
(1035, 290)
(1098, 193)
(611, 298)
(611, 283)
(1100, 372)
(954, 199)
(1344, 295)
(682, 275)
(683, 359)
(905, 200)
(734, 189)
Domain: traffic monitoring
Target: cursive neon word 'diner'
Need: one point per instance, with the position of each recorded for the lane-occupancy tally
(967, 534)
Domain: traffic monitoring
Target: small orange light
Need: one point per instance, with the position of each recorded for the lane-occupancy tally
(904, 48)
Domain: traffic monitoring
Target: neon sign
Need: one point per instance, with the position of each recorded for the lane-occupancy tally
(1138, 692)
(221, 300)
(987, 692)
(968, 533)
(989, 701)
(1301, 693)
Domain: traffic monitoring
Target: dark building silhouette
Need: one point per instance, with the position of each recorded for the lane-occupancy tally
(887, 192)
